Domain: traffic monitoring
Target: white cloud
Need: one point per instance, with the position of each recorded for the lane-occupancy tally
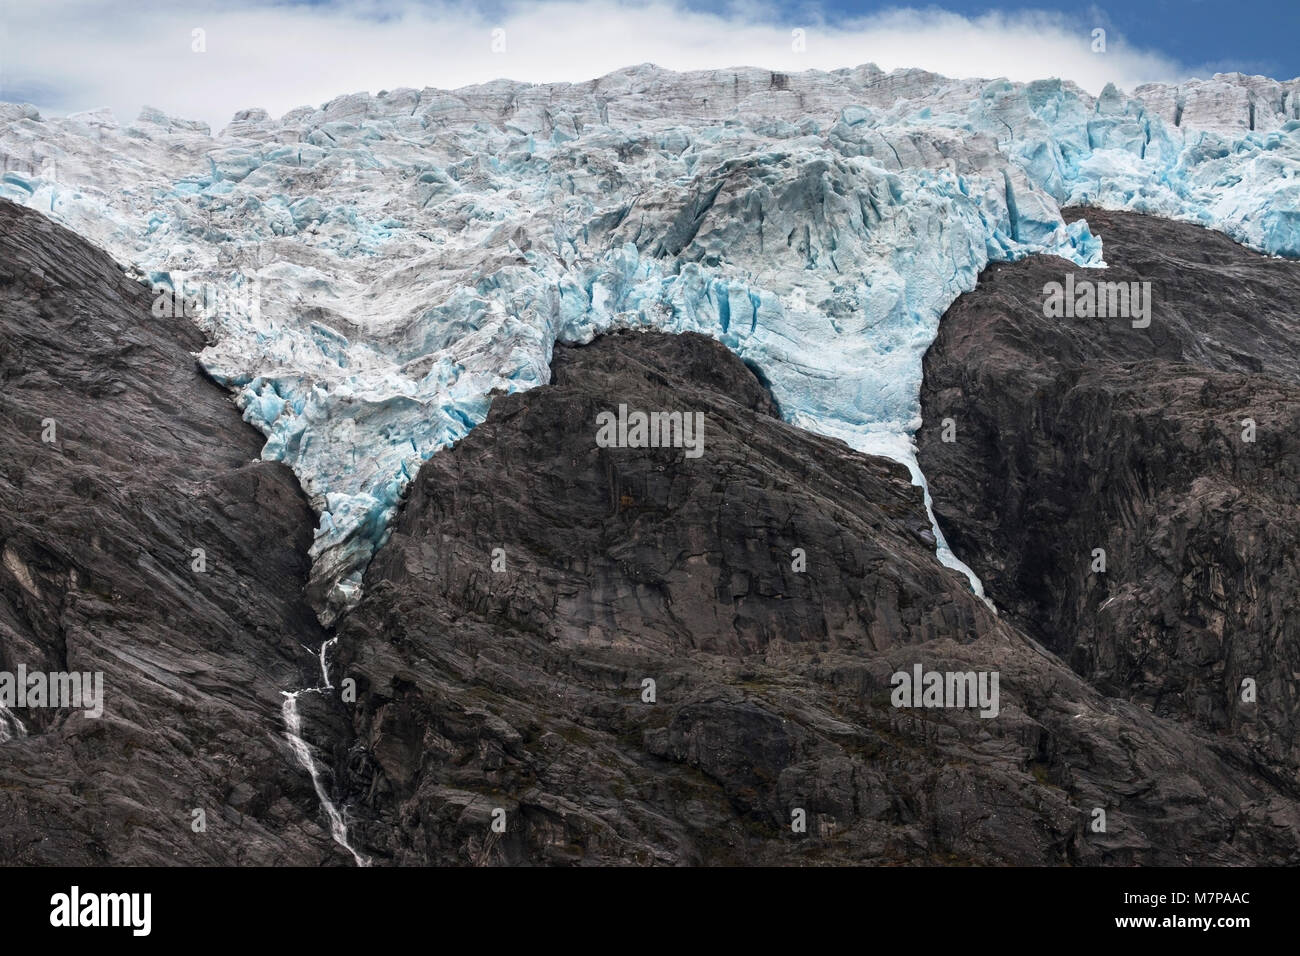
(74, 54)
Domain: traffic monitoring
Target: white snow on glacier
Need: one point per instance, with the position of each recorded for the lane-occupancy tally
(376, 267)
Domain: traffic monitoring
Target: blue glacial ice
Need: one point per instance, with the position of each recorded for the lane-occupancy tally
(370, 270)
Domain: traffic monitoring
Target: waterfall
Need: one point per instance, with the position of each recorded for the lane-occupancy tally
(302, 751)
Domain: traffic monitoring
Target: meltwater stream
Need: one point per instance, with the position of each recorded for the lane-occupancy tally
(302, 751)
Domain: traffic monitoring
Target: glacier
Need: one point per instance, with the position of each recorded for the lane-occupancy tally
(372, 271)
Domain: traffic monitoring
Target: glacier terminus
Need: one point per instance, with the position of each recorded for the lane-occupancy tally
(371, 271)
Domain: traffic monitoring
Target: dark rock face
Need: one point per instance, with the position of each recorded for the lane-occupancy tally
(536, 582)
(1074, 434)
(97, 529)
(522, 690)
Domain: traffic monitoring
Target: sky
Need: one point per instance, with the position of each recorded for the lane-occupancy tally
(206, 60)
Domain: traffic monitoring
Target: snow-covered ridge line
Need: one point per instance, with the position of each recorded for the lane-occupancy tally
(405, 254)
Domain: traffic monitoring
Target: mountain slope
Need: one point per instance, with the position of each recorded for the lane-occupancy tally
(149, 461)
(770, 588)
